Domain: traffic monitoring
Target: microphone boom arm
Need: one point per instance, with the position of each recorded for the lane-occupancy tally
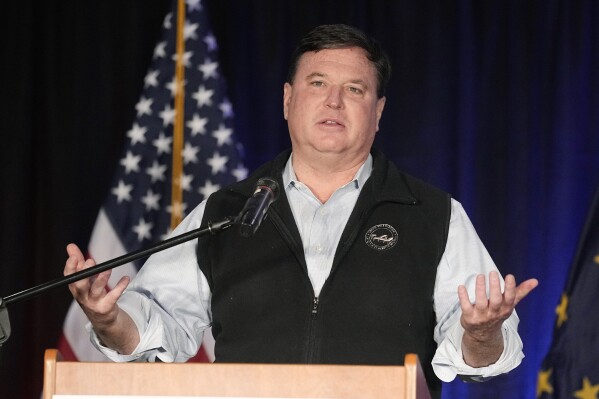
(212, 228)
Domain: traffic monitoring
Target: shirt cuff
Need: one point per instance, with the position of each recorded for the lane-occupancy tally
(448, 361)
(150, 332)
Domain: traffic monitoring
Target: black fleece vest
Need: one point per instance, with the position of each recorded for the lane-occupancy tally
(376, 305)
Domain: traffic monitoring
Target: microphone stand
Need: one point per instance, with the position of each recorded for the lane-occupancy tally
(212, 228)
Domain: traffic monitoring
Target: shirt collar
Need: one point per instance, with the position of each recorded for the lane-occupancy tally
(289, 177)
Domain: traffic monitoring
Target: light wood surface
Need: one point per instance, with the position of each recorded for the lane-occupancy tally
(233, 380)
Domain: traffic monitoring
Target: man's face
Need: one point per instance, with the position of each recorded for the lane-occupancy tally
(332, 106)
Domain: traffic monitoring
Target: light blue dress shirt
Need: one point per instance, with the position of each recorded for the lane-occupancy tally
(169, 299)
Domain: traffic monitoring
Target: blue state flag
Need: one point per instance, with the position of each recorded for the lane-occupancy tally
(571, 367)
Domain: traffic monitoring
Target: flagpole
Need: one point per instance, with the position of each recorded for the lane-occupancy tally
(177, 170)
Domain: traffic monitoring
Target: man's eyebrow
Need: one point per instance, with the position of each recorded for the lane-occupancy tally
(315, 75)
(359, 82)
(322, 75)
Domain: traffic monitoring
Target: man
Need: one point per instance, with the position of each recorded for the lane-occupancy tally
(356, 263)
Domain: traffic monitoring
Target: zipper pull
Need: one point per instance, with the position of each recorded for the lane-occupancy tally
(315, 306)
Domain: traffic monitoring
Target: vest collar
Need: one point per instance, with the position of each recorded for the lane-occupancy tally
(388, 184)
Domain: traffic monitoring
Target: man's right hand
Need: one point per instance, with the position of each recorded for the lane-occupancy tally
(113, 326)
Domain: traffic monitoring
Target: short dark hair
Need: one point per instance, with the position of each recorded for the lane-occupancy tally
(343, 36)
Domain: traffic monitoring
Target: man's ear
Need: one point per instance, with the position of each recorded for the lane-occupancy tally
(287, 89)
(380, 105)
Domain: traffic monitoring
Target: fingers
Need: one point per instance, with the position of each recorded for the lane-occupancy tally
(73, 250)
(464, 299)
(75, 258)
(509, 294)
(481, 301)
(484, 317)
(525, 288)
(514, 294)
(118, 289)
(497, 300)
(93, 287)
(75, 263)
(99, 282)
(495, 295)
(97, 302)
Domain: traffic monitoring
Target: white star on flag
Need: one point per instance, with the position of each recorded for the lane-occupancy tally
(210, 41)
(197, 125)
(172, 86)
(217, 162)
(203, 96)
(122, 192)
(142, 229)
(156, 171)
(163, 144)
(226, 108)
(151, 79)
(190, 153)
(186, 181)
(209, 69)
(160, 50)
(137, 134)
(144, 106)
(222, 135)
(151, 200)
(167, 115)
(186, 58)
(189, 31)
(194, 5)
(208, 188)
(131, 162)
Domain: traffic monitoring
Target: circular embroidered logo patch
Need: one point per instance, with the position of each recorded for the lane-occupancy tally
(381, 237)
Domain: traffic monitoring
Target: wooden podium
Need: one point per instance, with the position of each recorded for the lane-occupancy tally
(203, 380)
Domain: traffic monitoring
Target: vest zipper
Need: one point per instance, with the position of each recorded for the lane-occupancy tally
(312, 344)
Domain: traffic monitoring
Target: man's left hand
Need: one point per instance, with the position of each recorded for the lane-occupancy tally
(482, 343)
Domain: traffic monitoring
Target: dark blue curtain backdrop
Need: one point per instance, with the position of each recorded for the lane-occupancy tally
(494, 101)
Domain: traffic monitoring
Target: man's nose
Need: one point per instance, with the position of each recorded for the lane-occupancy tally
(335, 98)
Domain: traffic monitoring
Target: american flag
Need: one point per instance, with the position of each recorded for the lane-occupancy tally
(138, 210)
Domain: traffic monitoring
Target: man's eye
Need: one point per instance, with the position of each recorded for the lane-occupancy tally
(317, 83)
(355, 90)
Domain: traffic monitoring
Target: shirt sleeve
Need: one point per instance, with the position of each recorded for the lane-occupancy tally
(465, 257)
(169, 301)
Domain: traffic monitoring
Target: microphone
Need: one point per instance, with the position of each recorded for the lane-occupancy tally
(254, 211)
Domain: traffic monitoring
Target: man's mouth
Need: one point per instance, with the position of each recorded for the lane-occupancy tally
(331, 122)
